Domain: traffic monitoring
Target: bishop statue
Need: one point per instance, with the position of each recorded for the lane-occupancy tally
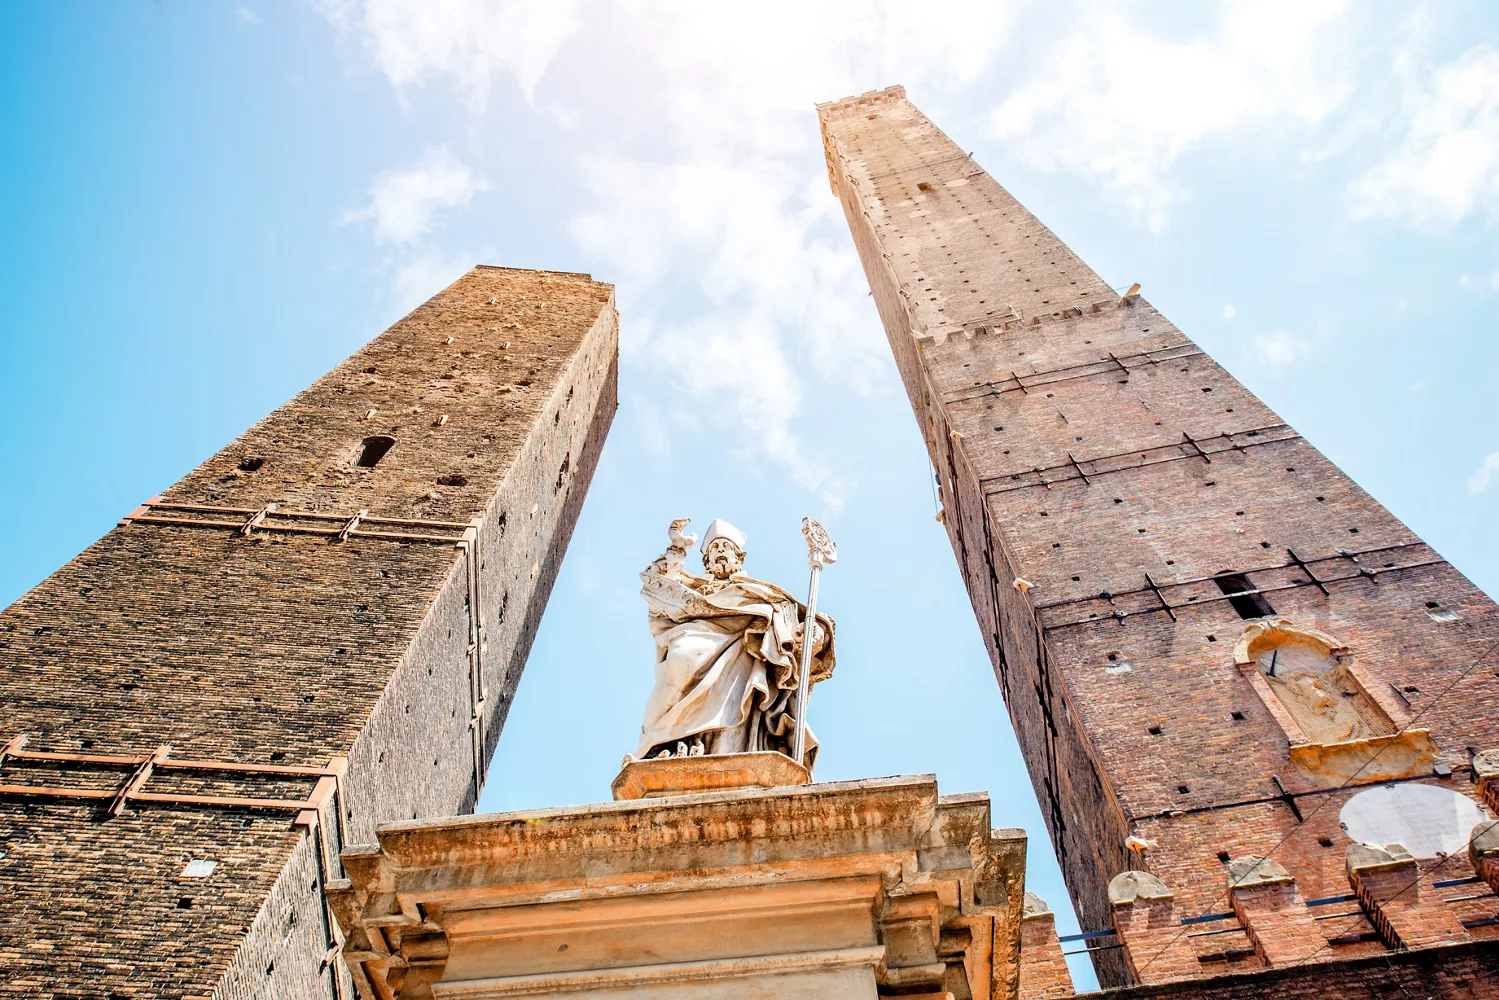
(728, 653)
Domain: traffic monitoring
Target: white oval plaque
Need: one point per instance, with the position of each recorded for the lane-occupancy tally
(1425, 819)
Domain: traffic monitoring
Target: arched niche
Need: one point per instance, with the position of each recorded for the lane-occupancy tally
(1326, 705)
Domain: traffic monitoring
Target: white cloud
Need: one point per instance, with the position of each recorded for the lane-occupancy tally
(1280, 348)
(422, 274)
(1466, 281)
(247, 15)
(1229, 311)
(1484, 477)
(1447, 165)
(471, 41)
(402, 203)
(733, 201)
(1121, 104)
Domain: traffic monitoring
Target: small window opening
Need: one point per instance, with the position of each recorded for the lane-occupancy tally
(1155, 730)
(1325, 840)
(1183, 789)
(374, 449)
(1246, 604)
(1236, 716)
(923, 186)
(1432, 604)
(1223, 857)
(562, 472)
(251, 464)
(452, 479)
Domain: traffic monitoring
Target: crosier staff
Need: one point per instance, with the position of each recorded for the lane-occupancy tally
(820, 552)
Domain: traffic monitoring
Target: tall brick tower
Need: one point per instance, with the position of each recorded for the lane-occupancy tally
(317, 630)
(1215, 648)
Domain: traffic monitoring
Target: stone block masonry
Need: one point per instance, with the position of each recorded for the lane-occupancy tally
(1204, 631)
(200, 708)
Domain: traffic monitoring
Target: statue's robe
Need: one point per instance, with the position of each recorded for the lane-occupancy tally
(726, 667)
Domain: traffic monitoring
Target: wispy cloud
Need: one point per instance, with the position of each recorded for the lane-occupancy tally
(1482, 479)
(469, 41)
(1447, 164)
(1280, 348)
(1120, 103)
(403, 202)
(246, 15)
(734, 202)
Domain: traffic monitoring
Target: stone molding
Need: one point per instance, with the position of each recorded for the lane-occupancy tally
(647, 887)
(638, 976)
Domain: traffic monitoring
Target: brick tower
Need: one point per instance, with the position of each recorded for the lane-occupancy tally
(1215, 648)
(317, 630)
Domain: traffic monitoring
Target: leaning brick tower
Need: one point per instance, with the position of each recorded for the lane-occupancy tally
(1258, 711)
(317, 630)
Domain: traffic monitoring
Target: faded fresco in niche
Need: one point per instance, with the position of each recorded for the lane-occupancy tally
(1317, 690)
(1318, 694)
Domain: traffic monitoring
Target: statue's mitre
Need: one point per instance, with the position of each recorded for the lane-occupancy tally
(723, 529)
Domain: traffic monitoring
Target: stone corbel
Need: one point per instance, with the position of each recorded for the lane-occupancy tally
(1483, 851)
(1264, 897)
(1403, 907)
(1150, 932)
(1043, 968)
(1486, 777)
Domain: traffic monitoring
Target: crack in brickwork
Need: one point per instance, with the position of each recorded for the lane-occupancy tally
(289, 648)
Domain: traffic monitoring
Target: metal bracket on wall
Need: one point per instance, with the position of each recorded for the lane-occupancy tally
(1111, 365)
(1187, 448)
(1158, 590)
(143, 768)
(270, 518)
(473, 565)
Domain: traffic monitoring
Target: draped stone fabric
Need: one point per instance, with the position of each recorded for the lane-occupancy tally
(726, 665)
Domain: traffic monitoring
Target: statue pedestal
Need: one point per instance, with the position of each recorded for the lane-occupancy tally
(659, 776)
(845, 890)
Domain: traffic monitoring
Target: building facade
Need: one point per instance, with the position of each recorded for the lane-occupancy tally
(1228, 666)
(317, 630)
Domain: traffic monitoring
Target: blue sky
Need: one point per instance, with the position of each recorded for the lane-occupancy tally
(207, 205)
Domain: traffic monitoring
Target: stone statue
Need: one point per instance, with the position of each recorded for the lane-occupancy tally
(727, 653)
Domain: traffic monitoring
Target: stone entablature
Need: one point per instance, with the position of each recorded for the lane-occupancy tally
(839, 889)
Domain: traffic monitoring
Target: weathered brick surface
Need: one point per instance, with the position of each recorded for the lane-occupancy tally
(1043, 968)
(1087, 447)
(296, 649)
(1461, 972)
(1403, 906)
(1152, 943)
(1282, 928)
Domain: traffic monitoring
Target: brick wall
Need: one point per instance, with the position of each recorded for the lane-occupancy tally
(1094, 465)
(1464, 972)
(1043, 968)
(279, 649)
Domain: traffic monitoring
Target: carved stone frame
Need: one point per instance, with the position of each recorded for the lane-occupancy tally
(1405, 752)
